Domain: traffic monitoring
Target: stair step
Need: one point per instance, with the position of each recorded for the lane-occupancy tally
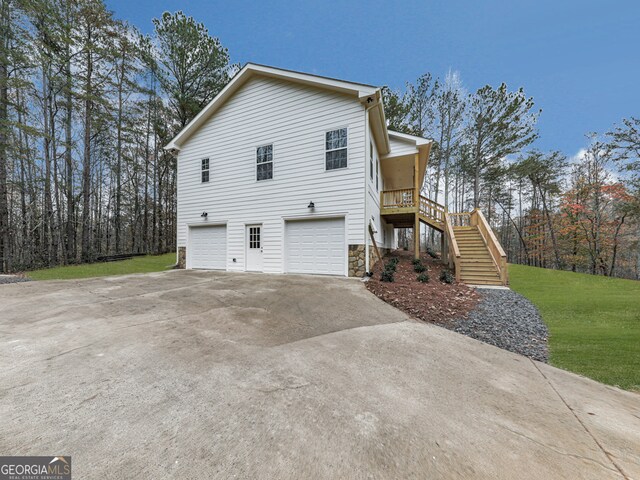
(474, 267)
(483, 272)
(488, 275)
(480, 280)
(476, 262)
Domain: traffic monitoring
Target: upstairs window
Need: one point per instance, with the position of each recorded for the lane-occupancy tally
(264, 162)
(205, 170)
(336, 149)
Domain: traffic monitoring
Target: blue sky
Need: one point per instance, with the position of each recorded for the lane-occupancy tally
(580, 60)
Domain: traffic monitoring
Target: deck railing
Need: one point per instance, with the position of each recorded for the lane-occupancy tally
(400, 198)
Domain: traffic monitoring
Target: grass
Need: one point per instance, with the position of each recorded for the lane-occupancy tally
(146, 264)
(594, 322)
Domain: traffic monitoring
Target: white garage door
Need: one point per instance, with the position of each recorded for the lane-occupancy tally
(208, 247)
(315, 246)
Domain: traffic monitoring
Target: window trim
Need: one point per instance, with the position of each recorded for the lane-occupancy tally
(207, 170)
(377, 174)
(255, 178)
(324, 143)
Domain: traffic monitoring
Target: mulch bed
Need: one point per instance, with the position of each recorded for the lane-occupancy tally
(434, 302)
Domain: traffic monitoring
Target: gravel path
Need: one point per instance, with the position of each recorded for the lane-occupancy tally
(507, 320)
(4, 279)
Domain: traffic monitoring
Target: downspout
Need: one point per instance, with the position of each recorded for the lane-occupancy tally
(366, 185)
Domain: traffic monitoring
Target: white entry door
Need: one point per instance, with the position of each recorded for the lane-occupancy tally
(316, 246)
(254, 248)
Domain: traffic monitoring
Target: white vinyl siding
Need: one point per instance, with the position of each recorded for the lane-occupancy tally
(373, 202)
(400, 146)
(295, 119)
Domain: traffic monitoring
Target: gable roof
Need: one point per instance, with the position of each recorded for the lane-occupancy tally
(410, 138)
(369, 95)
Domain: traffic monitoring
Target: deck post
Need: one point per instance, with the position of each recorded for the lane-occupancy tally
(416, 236)
(416, 200)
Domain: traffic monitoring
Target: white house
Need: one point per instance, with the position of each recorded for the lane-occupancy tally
(287, 172)
(282, 173)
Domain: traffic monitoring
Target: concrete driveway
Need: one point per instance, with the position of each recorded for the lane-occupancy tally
(198, 375)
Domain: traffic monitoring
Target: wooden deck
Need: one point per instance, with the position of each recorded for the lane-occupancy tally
(470, 247)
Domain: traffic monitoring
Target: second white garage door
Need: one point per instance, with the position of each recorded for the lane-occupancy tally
(208, 247)
(315, 246)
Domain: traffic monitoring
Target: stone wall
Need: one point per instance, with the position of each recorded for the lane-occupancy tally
(182, 257)
(356, 261)
(357, 256)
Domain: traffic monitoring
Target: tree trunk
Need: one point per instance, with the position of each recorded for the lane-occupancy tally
(86, 167)
(70, 246)
(46, 148)
(554, 243)
(5, 246)
(614, 254)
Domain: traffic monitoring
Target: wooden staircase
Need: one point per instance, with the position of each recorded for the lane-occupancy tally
(476, 264)
(470, 247)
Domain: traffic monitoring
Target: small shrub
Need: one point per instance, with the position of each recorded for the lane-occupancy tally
(390, 266)
(446, 276)
(416, 261)
(432, 253)
(423, 277)
(394, 260)
(419, 268)
(387, 276)
(405, 248)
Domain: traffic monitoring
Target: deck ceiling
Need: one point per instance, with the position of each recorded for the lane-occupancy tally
(398, 171)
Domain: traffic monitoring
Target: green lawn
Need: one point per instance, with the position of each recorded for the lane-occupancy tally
(594, 322)
(146, 264)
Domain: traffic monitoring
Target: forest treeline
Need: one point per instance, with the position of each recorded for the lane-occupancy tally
(548, 210)
(86, 104)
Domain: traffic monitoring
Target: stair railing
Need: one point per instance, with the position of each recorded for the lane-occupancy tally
(431, 209)
(452, 244)
(495, 249)
(462, 219)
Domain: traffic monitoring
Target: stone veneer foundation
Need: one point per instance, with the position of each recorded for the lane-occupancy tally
(357, 265)
(182, 257)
